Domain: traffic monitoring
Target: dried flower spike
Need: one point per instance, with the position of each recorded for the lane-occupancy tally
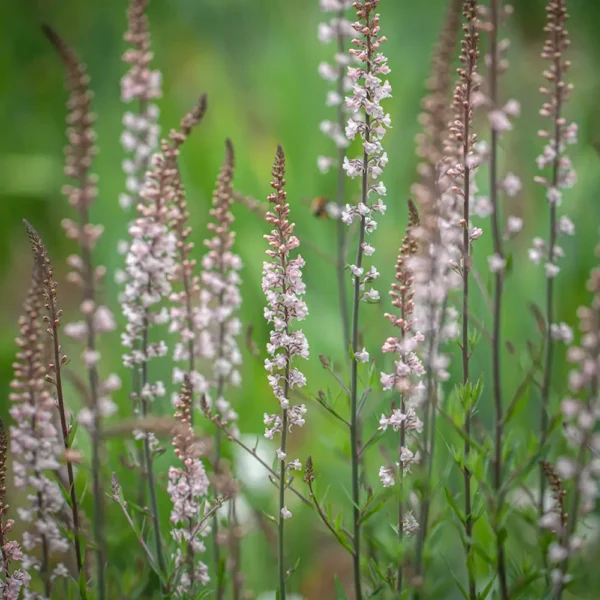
(54, 376)
(79, 155)
(35, 445)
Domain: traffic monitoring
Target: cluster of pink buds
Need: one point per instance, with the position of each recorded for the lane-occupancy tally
(559, 134)
(406, 379)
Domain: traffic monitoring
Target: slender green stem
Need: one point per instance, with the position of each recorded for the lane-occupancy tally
(465, 342)
(497, 306)
(284, 427)
(340, 197)
(89, 293)
(547, 381)
(282, 477)
(140, 539)
(235, 551)
(54, 320)
(219, 392)
(354, 417)
(45, 566)
(429, 429)
(400, 568)
(215, 525)
(148, 460)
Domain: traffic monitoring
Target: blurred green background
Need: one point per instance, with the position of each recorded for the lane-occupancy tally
(257, 60)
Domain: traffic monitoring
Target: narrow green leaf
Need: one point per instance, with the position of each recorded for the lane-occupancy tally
(373, 510)
(487, 589)
(82, 585)
(453, 505)
(524, 583)
(340, 594)
(376, 592)
(460, 586)
(480, 551)
(74, 427)
(372, 374)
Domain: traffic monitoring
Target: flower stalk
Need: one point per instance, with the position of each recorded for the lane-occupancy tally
(499, 123)
(461, 145)
(35, 444)
(438, 237)
(219, 324)
(368, 92)
(283, 288)
(80, 152)
(405, 380)
(562, 176)
(52, 320)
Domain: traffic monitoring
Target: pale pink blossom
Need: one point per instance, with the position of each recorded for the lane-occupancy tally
(284, 290)
(188, 488)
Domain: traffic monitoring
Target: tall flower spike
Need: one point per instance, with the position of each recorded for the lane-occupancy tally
(562, 176)
(406, 378)
(11, 580)
(439, 236)
(368, 91)
(283, 287)
(35, 445)
(184, 311)
(140, 85)
(79, 153)
(188, 489)
(220, 296)
(439, 232)
(337, 29)
(370, 122)
(52, 320)
(219, 324)
(151, 266)
(462, 164)
(499, 118)
(402, 294)
(580, 469)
